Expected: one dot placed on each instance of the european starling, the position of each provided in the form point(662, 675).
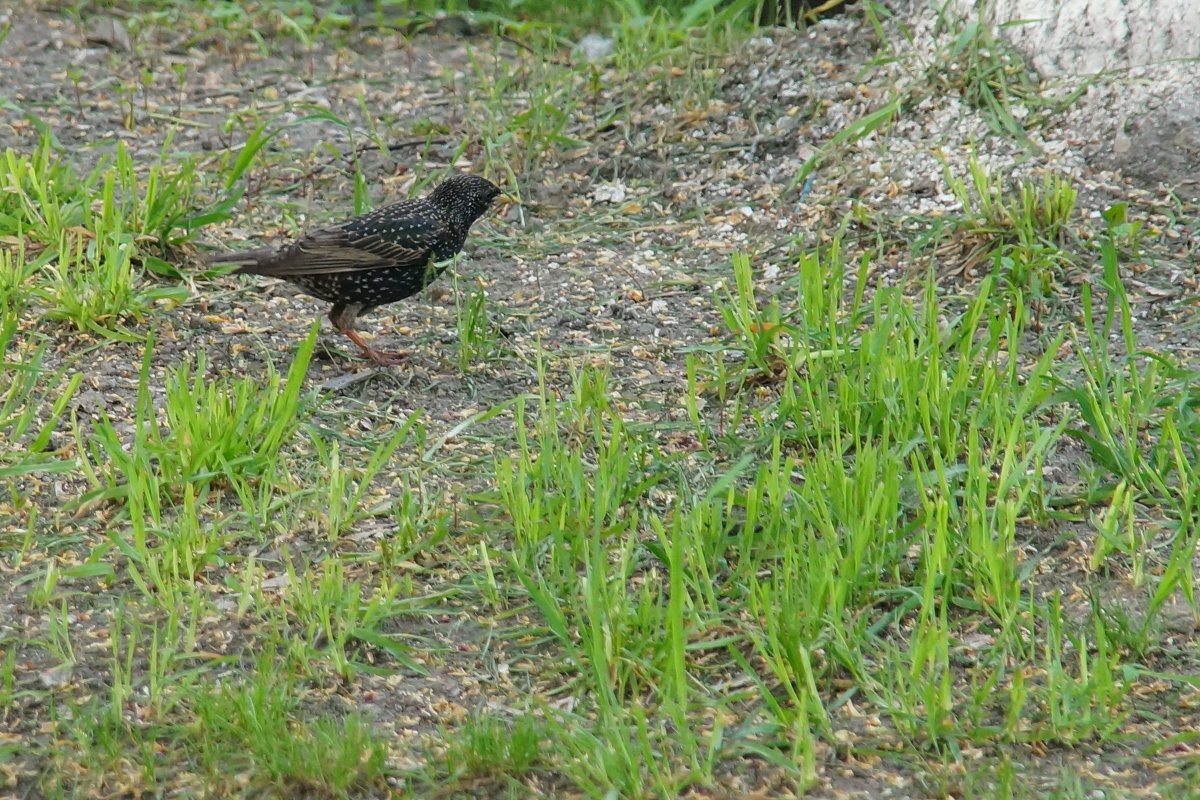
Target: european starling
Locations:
point(378, 258)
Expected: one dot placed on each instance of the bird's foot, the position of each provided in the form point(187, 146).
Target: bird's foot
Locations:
point(384, 359)
point(378, 357)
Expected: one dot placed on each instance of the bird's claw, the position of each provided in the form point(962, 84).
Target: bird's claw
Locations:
point(383, 359)
point(378, 357)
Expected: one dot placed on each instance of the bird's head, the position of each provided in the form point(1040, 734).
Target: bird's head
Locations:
point(467, 196)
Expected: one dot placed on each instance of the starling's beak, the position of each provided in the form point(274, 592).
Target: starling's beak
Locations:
point(508, 199)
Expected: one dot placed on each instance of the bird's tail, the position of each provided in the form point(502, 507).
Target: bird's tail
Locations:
point(247, 261)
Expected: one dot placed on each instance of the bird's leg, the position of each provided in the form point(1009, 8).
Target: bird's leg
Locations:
point(342, 317)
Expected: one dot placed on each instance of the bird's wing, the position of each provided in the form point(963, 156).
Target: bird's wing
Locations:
point(354, 246)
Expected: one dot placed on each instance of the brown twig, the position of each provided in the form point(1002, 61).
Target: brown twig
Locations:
point(518, 43)
point(397, 145)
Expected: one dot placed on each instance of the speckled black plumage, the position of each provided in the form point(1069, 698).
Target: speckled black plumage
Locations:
point(378, 258)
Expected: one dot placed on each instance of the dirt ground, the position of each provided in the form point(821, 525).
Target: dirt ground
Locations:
point(614, 256)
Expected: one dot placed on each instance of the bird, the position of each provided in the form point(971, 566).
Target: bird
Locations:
point(378, 258)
